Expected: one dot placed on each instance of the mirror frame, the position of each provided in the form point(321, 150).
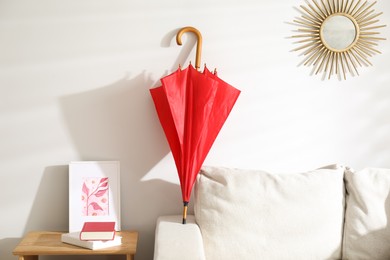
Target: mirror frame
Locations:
point(318, 54)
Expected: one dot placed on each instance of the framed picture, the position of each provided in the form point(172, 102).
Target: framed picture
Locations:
point(94, 193)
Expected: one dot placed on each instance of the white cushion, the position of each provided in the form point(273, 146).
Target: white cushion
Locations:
point(247, 214)
point(367, 217)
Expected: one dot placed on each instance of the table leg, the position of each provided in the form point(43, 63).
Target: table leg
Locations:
point(129, 257)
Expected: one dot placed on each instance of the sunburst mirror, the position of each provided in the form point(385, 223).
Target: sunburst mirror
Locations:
point(337, 36)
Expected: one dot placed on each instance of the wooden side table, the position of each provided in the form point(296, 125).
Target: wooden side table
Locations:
point(39, 243)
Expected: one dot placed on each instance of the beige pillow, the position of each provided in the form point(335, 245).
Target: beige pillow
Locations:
point(248, 214)
point(367, 217)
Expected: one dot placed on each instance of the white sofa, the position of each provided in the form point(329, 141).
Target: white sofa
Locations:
point(328, 213)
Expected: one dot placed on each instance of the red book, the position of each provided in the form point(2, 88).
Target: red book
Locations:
point(98, 231)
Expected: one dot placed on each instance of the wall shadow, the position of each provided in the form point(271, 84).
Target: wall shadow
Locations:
point(7, 245)
point(50, 208)
point(119, 122)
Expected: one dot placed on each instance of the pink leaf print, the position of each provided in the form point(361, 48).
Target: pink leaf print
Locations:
point(85, 189)
point(104, 180)
point(103, 183)
point(95, 206)
point(95, 190)
point(101, 192)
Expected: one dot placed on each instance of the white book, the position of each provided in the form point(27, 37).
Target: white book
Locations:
point(73, 238)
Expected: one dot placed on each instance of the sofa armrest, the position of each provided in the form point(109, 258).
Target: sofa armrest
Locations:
point(174, 240)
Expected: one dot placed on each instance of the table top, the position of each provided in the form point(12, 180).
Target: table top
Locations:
point(49, 243)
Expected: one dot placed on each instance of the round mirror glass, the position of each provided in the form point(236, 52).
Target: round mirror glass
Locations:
point(338, 32)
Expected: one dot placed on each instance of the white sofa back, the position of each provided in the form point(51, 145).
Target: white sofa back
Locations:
point(243, 214)
point(248, 214)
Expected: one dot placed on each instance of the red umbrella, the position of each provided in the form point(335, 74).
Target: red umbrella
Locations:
point(192, 107)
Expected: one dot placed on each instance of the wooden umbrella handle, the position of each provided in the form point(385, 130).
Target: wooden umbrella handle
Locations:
point(198, 44)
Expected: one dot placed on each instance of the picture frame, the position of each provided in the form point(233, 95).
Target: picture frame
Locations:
point(94, 193)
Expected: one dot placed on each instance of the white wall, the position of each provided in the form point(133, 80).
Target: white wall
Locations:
point(74, 81)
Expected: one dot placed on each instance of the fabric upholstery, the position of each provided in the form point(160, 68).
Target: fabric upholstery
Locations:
point(175, 241)
point(367, 217)
point(249, 214)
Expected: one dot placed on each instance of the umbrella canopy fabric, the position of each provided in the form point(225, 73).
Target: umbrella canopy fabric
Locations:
point(192, 107)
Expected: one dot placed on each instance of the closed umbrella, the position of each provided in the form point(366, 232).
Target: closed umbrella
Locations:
point(192, 107)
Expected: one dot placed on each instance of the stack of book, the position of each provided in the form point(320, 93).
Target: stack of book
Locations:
point(94, 235)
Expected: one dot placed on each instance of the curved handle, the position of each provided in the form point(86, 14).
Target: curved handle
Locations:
point(198, 44)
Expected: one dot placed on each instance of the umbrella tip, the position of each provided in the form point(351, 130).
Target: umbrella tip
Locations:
point(185, 212)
